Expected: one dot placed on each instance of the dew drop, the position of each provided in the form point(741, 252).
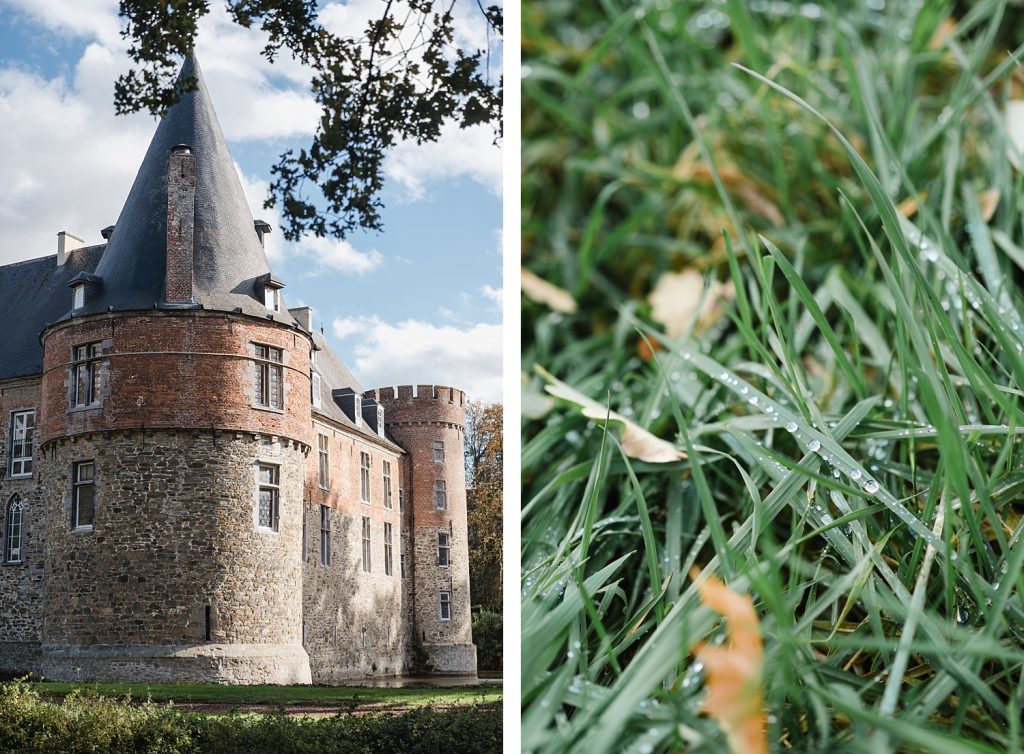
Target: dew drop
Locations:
point(871, 486)
point(962, 615)
point(791, 426)
point(752, 400)
point(855, 474)
point(814, 446)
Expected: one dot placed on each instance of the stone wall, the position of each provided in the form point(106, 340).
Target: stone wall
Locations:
point(21, 583)
point(353, 620)
point(417, 419)
point(174, 557)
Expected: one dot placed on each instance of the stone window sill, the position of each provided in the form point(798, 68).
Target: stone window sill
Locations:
point(90, 407)
point(269, 409)
point(13, 563)
point(267, 530)
point(82, 530)
point(20, 476)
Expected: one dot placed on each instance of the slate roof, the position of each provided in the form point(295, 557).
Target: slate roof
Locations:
point(33, 294)
point(335, 375)
point(229, 257)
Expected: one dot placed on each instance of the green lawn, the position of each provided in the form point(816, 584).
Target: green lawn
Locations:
point(287, 695)
point(851, 420)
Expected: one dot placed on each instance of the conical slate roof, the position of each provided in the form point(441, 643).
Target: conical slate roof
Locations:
point(228, 256)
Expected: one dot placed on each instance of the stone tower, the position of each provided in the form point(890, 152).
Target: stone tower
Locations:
point(429, 422)
point(174, 419)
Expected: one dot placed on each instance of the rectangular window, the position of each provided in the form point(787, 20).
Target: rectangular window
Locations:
point(83, 494)
point(440, 495)
point(269, 496)
point(269, 377)
point(325, 473)
point(366, 544)
point(357, 410)
point(85, 375)
point(401, 500)
point(325, 535)
point(387, 485)
point(272, 299)
point(444, 611)
point(438, 451)
point(315, 387)
point(401, 559)
point(387, 550)
point(364, 477)
point(444, 549)
point(23, 430)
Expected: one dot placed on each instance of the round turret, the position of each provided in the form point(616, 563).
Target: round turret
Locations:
point(429, 422)
point(173, 447)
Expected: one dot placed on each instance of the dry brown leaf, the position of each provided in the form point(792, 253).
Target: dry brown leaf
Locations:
point(678, 299)
point(543, 292)
point(989, 201)
point(636, 441)
point(734, 669)
point(1013, 119)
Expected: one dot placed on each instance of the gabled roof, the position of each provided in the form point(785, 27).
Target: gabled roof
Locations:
point(33, 294)
point(228, 259)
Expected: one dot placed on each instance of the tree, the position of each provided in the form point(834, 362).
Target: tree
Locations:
point(400, 78)
point(484, 502)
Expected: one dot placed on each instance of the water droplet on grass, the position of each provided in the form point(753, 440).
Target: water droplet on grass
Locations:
point(871, 486)
point(814, 446)
point(791, 426)
point(855, 474)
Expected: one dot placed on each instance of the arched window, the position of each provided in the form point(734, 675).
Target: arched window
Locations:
point(14, 530)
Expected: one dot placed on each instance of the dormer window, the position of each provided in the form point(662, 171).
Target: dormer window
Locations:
point(78, 284)
point(380, 420)
point(78, 300)
point(359, 410)
point(271, 288)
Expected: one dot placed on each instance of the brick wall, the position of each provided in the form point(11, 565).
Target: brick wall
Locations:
point(175, 369)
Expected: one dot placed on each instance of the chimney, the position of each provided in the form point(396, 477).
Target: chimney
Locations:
point(304, 316)
point(181, 215)
point(66, 243)
point(262, 230)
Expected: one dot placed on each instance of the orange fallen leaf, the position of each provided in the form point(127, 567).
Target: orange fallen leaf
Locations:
point(734, 669)
point(678, 301)
point(988, 200)
point(908, 207)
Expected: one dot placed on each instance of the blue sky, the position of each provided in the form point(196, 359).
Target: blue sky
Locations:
point(419, 302)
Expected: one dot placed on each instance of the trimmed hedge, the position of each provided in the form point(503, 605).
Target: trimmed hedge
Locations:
point(83, 723)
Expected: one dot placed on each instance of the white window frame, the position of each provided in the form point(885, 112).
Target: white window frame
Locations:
point(365, 466)
point(388, 550)
point(367, 551)
point(437, 448)
point(78, 487)
point(325, 535)
point(14, 530)
point(85, 372)
point(387, 484)
point(269, 362)
point(78, 296)
point(444, 547)
point(357, 410)
point(323, 461)
point(402, 564)
point(272, 298)
point(315, 389)
point(440, 495)
point(401, 500)
point(22, 440)
point(273, 486)
point(444, 606)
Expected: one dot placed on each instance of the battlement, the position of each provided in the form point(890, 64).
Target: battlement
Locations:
point(443, 393)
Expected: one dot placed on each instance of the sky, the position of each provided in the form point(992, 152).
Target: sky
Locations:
point(419, 302)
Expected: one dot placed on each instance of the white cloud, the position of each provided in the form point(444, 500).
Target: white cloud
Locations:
point(69, 161)
point(338, 256)
point(492, 294)
point(460, 152)
point(414, 352)
point(89, 19)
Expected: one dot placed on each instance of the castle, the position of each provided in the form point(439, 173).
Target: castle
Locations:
point(194, 485)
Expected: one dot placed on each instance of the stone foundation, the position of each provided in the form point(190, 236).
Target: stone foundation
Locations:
point(214, 663)
point(453, 659)
point(19, 657)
